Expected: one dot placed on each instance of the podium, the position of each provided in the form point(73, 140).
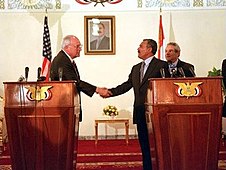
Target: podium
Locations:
point(42, 120)
point(184, 117)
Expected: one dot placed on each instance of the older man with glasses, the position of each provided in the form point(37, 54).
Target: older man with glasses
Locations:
point(63, 67)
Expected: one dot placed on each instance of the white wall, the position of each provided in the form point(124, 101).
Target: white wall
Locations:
point(200, 33)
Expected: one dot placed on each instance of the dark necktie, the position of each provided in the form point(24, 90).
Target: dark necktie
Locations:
point(76, 70)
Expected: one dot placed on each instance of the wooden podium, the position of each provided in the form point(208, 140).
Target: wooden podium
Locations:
point(184, 116)
point(42, 123)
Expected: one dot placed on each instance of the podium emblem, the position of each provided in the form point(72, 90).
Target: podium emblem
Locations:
point(38, 93)
point(188, 89)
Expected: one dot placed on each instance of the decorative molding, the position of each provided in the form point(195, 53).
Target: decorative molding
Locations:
point(30, 4)
point(193, 4)
point(2, 4)
point(58, 4)
point(198, 3)
point(214, 3)
point(139, 3)
point(106, 5)
point(168, 3)
point(86, 2)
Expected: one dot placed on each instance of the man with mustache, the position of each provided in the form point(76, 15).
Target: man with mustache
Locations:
point(138, 80)
point(102, 42)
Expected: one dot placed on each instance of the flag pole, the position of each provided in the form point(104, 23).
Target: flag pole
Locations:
point(46, 11)
point(161, 36)
point(46, 51)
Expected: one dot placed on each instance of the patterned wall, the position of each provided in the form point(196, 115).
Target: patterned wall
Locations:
point(33, 5)
point(184, 3)
point(30, 4)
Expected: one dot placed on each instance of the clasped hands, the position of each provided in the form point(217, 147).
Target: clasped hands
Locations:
point(103, 92)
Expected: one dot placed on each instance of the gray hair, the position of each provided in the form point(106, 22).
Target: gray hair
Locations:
point(66, 41)
point(176, 46)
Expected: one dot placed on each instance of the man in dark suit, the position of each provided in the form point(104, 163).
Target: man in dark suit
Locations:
point(177, 68)
point(63, 67)
point(223, 69)
point(138, 80)
point(102, 42)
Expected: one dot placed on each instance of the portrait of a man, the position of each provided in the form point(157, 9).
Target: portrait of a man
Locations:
point(99, 38)
point(101, 41)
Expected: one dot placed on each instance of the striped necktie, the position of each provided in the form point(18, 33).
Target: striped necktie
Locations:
point(142, 71)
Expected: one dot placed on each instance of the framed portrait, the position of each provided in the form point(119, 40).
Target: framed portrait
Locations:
point(99, 35)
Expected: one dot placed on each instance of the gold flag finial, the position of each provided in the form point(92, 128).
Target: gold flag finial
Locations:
point(46, 10)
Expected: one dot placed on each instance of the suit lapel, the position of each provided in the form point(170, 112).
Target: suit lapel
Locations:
point(149, 71)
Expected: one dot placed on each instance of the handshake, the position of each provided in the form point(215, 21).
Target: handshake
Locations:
point(103, 92)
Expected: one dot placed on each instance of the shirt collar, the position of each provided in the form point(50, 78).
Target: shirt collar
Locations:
point(68, 56)
point(148, 60)
point(174, 63)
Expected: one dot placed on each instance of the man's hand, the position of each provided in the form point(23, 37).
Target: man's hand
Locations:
point(103, 92)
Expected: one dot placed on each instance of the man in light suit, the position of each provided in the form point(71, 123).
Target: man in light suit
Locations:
point(138, 80)
point(102, 42)
point(177, 68)
point(71, 48)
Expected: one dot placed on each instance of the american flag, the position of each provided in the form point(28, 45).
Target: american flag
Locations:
point(161, 37)
point(46, 52)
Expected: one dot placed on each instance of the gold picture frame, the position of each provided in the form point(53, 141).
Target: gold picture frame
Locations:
point(99, 36)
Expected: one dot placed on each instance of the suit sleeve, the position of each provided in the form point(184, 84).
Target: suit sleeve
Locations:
point(86, 88)
point(224, 72)
point(69, 74)
point(122, 88)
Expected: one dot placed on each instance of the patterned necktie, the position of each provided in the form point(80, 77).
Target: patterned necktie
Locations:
point(172, 69)
point(142, 71)
point(76, 70)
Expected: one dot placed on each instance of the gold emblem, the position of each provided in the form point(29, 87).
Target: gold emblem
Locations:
point(38, 93)
point(189, 89)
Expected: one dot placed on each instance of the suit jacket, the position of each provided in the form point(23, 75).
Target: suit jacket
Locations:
point(140, 89)
point(104, 44)
point(224, 71)
point(69, 73)
point(186, 68)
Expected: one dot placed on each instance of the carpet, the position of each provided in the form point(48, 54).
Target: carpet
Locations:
point(110, 155)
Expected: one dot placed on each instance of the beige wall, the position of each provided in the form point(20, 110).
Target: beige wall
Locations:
point(200, 33)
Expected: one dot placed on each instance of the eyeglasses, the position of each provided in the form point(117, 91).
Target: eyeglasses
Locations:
point(77, 46)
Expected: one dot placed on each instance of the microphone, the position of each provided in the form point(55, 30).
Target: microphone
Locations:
point(191, 69)
point(173, 72)
point(162, 72)
point(60, 73)
point(180, 69)
point(26, 73)
point(21, 78)
point(39, 72)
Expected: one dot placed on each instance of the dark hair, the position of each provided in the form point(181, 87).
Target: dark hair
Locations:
point(153, 44)
point(102, 24)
